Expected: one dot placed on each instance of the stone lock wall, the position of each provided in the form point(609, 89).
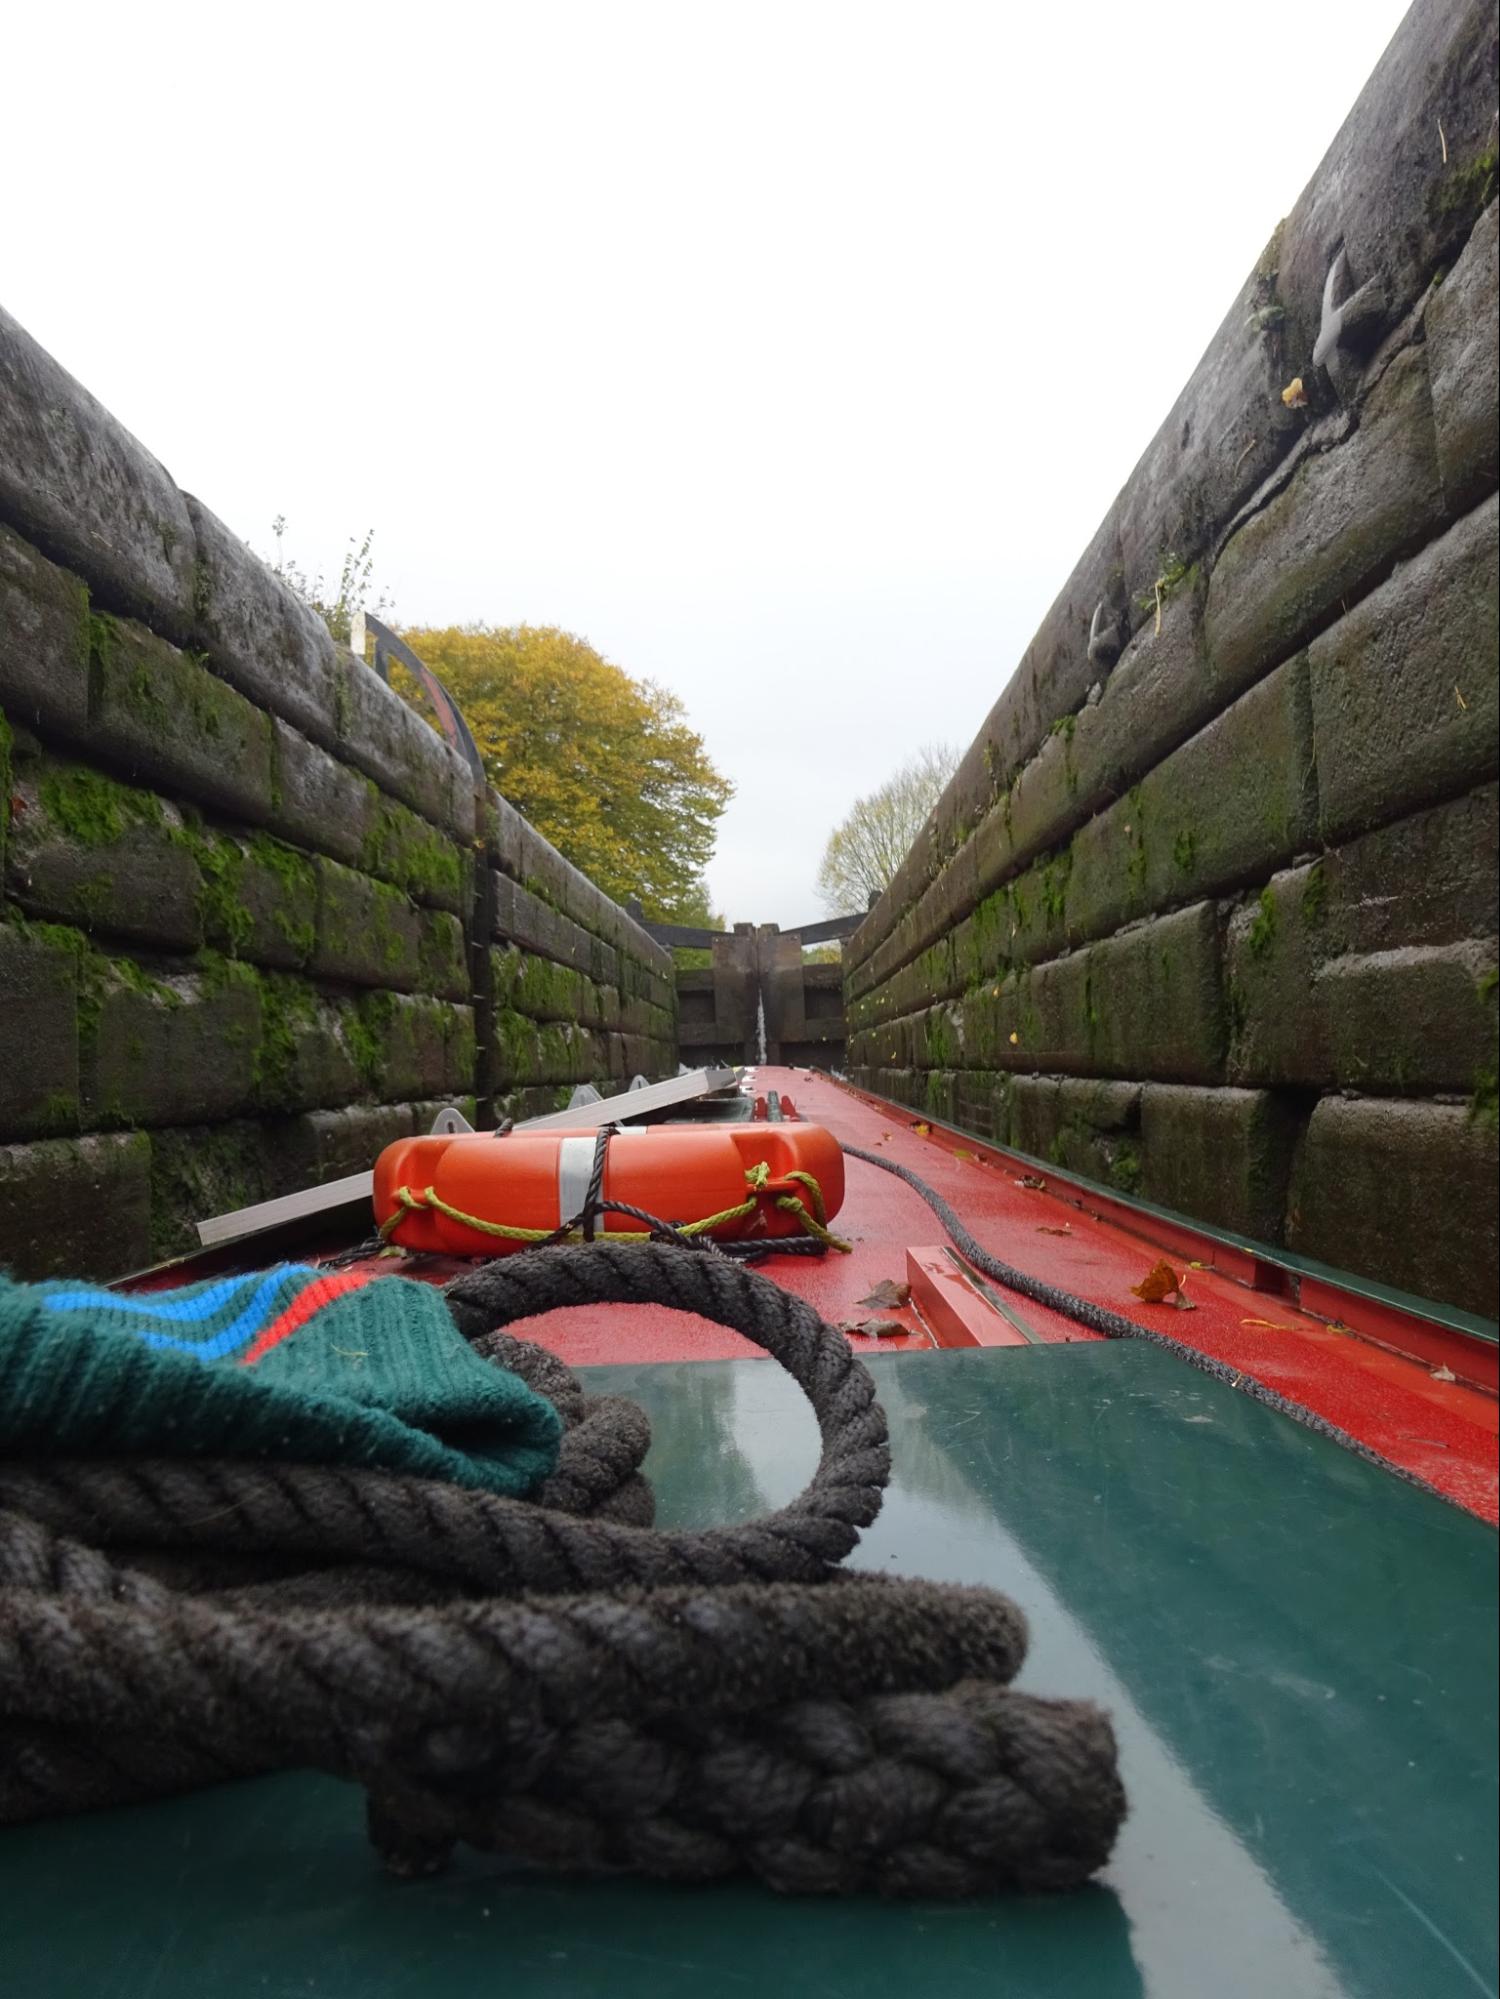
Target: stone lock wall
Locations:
point(1209, 910)
point(254, 923)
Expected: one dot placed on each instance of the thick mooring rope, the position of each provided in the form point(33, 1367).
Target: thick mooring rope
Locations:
point(555, 1681)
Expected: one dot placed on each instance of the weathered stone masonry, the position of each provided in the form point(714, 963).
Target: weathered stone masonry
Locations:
point(1209, 910)
point(238, 944)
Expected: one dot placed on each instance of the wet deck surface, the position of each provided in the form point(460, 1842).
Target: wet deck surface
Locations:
point(1443, 1430)
point(1298, 1651)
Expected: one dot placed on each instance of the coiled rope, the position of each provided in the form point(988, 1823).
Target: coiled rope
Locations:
point(553, 1680)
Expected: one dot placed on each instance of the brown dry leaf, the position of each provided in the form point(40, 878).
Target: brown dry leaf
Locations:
point(871, 1329)
point(1268, 1326)
point(1046, 1228)
point(1158, 1284)
point(1034, 1182)
point(1294, 395)
point(888, 1293)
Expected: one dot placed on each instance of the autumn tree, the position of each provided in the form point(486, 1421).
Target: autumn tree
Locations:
point(605, 766)
point(865, 850)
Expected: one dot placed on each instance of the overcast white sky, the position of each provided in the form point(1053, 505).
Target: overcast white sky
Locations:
point(790, 354)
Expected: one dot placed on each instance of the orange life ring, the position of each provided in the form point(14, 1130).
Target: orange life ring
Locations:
point(477, 1194)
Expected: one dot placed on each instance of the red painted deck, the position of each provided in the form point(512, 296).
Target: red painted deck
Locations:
point(1419, 1392)
point(1443, 1430)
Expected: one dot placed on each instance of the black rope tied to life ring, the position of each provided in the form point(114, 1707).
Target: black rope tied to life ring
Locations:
point(752, 1249)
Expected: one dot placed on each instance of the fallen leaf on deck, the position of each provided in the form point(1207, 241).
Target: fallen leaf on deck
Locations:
point(1294, 395)
point(922, 1130)
point(1158, 1284)
point(1195, 1266)
point(1268, 1325)
point(887, 1292)
point(1182, 1303)
point(959, 1153)
point(1046, 1228)
point(1444, 1374)
point(1034, 1181)
point(872, 1329)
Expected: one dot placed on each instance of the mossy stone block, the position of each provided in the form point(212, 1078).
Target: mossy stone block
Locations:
point(317, 801)
point(78, 1207)
point(1463, 356)
point(1156, 1003)
point(199, 1171)
point(402, 848)
point(39, 980)
point(167, 1047)
point(1222, 1156)
point(368, 933)
point(76, 482)
point(1404, 1192)
point(1414, 1020)
point(259, 635)
point(160, 715)
point(381, 735)
point(44, 642)
point(442, 955)
point(1404, 689)
point(1344, 516)
point(112, 859)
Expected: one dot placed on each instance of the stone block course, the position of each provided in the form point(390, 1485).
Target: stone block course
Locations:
point(368, 933)
point(259, 636)
point(1224, 1156)
point(1228, 807)
point(44, 642)
point(169, 1048)
point(381, 735)
point(258, 898)
point(1089, 1128)
point(1404, 1192)
point(401, 847)
point(315, 800)
point(1462, 355)
point(157, 716)
point(1346, 515)
point(86, 850)
point(1417, 1019)
point(79, 486)
point(1404, 688)
point(1156, 1001)
point(39, 975)
point(77, 1207)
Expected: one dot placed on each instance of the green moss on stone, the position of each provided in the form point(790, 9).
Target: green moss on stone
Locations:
point(93, 809)
point(1464, 192)
point(1315, 894)
point(1263, 930)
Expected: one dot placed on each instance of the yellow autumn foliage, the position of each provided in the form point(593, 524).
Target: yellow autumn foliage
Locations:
point(605, 766)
